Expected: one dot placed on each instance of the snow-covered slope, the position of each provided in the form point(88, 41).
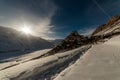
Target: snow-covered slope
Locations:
point(113, 28)
point(28, 69)
point(101, 62)
point(21, 59)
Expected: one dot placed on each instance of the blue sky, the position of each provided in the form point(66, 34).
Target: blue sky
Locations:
point(57, 18)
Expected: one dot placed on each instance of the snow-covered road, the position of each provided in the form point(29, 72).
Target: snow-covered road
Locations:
point(101, 62)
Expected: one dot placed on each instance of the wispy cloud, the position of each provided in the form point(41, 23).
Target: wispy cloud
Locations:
point(36, 14)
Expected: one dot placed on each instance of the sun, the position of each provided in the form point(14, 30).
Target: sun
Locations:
point(26, 30)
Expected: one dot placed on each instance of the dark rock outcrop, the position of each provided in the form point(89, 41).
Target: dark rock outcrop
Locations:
point(72, 41)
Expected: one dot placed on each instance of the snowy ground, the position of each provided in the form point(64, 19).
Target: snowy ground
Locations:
point(101, 62)
point(21, 59)
point(25, 67)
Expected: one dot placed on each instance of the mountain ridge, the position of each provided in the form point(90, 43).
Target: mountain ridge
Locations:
point(106, 31)
point(112, 21)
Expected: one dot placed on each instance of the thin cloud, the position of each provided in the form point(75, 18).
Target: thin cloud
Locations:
point(36, 14)
point(98, 5)
point(87, 31)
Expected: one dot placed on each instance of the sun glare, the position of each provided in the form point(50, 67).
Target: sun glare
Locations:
point(26, 30)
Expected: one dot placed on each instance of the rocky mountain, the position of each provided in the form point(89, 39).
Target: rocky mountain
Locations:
point(12, 40)
point(72, 41)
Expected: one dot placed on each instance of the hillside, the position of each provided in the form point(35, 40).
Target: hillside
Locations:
point(112, 25)
point(101, 62)
point(15, 41)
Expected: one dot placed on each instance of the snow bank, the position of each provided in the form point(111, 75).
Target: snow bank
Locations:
point(101, 62)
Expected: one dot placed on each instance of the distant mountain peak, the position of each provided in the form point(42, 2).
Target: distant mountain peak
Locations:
point(12, 40)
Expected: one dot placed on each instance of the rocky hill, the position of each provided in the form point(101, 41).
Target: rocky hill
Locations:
point(72, 41)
